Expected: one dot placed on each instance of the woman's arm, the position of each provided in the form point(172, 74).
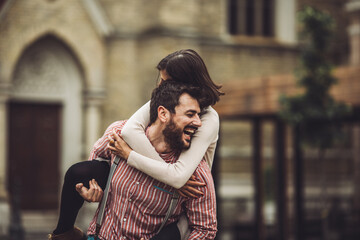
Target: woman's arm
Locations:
point(134, 134)
point(176, 175)
point(100, 149)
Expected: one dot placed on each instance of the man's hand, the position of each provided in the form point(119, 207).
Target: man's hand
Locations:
point(189, 189)
point(93, 194)
point(118, 146)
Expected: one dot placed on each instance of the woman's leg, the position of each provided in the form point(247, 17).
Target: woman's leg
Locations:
point(71, 201)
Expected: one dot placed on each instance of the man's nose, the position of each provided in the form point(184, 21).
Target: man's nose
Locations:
point(197, 121)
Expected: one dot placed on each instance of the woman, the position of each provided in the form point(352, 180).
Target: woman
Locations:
point(185, 66)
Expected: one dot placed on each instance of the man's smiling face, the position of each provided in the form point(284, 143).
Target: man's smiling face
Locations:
point(183, 123)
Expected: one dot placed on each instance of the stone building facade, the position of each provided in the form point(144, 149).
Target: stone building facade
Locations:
point(96, 59)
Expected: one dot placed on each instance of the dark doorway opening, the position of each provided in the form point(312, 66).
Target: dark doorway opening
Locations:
point(34, 154)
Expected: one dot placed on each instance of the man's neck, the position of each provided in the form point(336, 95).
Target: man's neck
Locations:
point(156, 137)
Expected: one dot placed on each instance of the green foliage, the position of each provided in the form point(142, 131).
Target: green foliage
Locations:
point(315, 109)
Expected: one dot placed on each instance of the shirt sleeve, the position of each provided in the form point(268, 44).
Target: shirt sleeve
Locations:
point(146, 159)
point(201, 212)
point(99, 149)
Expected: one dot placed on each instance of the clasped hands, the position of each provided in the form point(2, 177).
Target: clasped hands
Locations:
point(119, 147)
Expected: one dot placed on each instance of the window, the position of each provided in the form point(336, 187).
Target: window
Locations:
point(251, 17)
point(2, 3)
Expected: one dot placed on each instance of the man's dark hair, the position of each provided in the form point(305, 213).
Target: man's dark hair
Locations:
point(168, 93)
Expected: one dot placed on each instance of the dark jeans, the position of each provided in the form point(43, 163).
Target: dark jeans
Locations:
point(71, 201)
point(170, 232)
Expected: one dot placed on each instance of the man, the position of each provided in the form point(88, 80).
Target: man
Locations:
point(137, 203)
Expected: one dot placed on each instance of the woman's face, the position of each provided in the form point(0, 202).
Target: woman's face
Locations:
point(163, 76)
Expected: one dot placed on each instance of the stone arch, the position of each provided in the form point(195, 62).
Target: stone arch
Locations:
point(30, 40)
point(48, 74)
point(93, 67)
point(89, 51)
point(85, 108)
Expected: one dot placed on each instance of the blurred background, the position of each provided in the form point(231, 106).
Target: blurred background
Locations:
point(69, 68)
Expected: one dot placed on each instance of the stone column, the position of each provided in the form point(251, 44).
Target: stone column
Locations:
point(353, 7)
point(94, 99)
point(259, 228)
point(4, 198)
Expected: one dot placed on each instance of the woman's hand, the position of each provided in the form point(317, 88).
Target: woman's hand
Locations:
point(93, 194)
point(190, 190)
point(118, 146)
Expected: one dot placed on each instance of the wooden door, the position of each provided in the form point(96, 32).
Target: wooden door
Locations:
point(34, 154)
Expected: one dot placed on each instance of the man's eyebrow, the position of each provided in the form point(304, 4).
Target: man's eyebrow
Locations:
point(192, 111)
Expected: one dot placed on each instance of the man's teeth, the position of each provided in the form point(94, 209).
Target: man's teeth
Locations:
point(189, 131)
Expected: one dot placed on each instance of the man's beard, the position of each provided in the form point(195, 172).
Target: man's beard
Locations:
point(173, 137)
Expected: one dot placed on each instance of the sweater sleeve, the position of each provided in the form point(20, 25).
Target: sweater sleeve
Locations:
point(146, 159)
point(100, 149)
point(134, 134)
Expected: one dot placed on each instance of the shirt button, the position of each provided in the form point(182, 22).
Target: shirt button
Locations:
point(137, 183)
point(130, 200)
point(124, 219)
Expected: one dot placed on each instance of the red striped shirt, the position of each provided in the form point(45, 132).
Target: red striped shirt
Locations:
point(136, 206)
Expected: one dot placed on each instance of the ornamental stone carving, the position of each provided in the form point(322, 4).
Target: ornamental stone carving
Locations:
point(39, 74)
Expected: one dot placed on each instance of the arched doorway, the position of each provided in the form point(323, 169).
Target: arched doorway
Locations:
point(45, 115)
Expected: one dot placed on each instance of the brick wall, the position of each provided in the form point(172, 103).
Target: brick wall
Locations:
point(261, 95)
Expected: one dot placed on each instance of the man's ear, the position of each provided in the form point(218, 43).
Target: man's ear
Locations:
point(163, 114)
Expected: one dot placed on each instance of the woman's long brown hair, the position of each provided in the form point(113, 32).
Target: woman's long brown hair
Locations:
point(187, 66)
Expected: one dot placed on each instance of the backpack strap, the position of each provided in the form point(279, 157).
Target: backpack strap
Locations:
point(170, 211)
point(100, 215)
